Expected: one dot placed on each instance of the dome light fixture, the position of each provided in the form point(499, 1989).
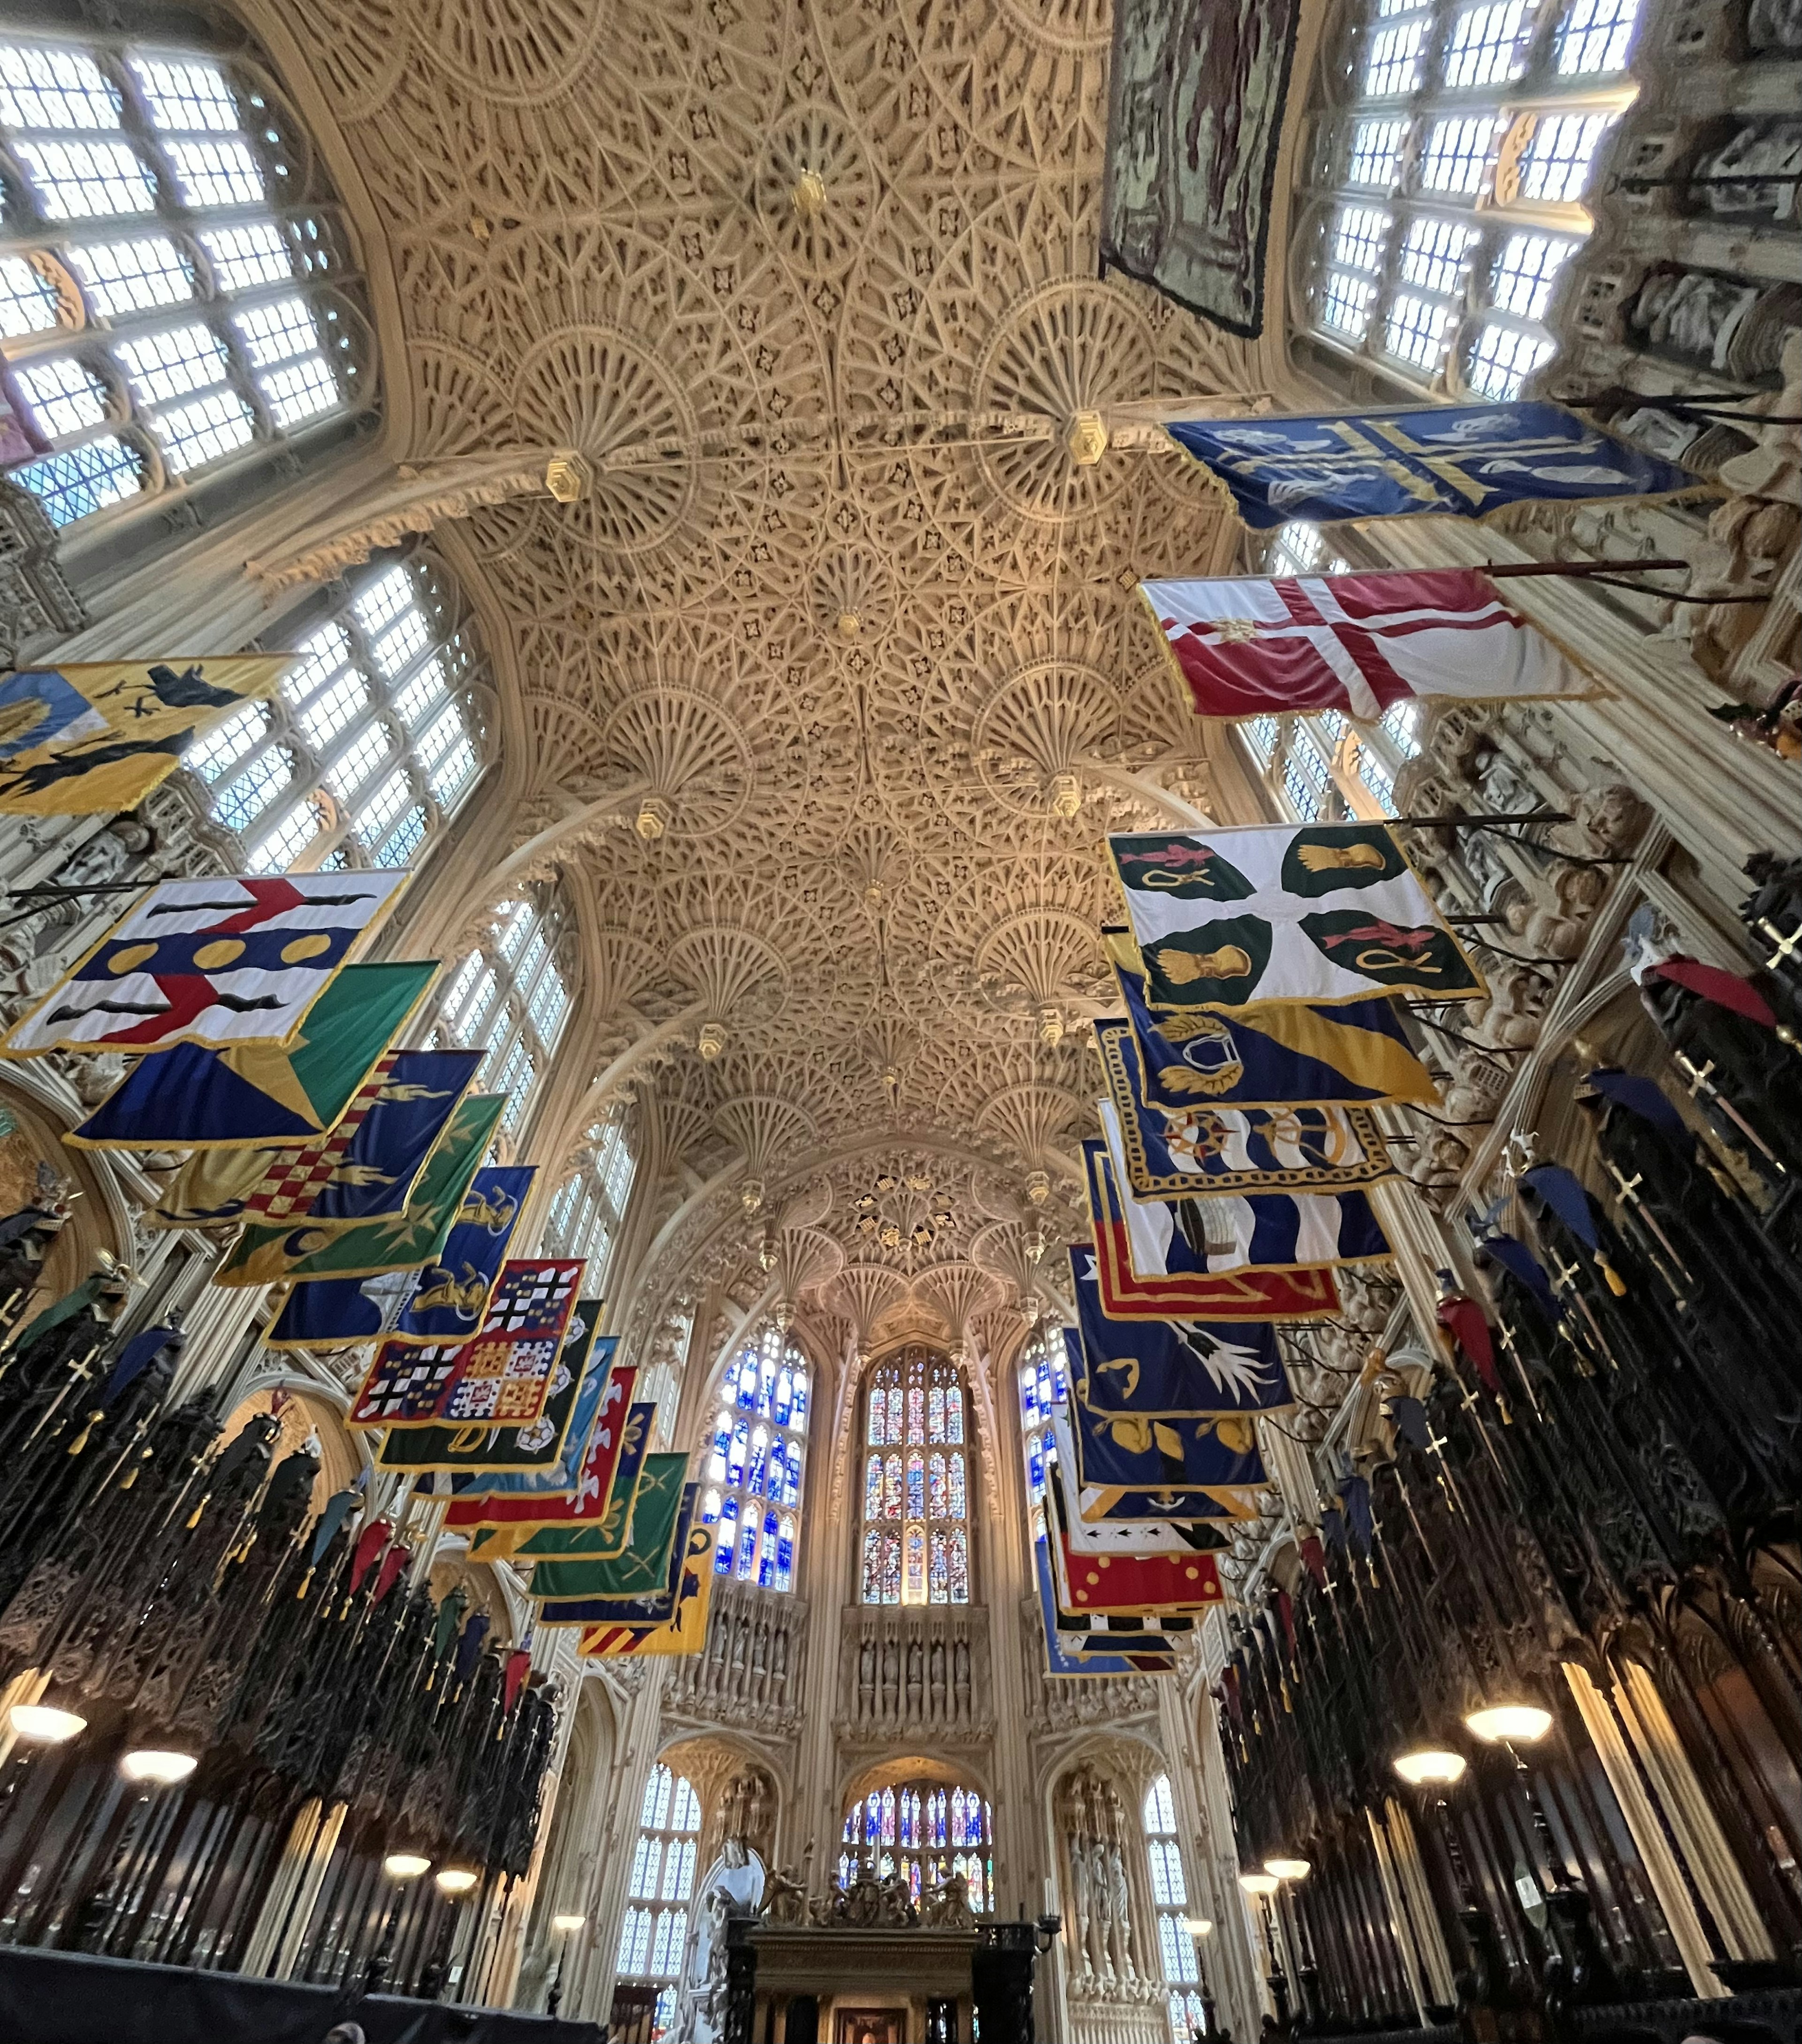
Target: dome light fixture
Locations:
point(1289, 1870)
point(1198, 1927)
point(405, 1866)
point(161, 1769)
point(456, 1880)
point(1509, 1723)
point(567, 1926)
point(1263, 1884)
point(40, 1725)
point(1429, 1763)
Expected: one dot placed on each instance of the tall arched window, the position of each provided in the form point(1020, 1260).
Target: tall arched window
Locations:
point(367, 752)
point(926, 1830)
point(916, 1535)
point(1042, 1386)
point(655, 1930)
point(590, 1204)
point(1170, 1895)
point(171, 295)
point(1457, 175)
point(1328, 765)
point(752, 1494)
point(512, 994)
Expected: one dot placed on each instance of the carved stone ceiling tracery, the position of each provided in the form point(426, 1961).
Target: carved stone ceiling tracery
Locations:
point(811, 284)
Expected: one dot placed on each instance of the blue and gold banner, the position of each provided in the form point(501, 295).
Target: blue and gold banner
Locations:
point(1228, 1232)
point(1176, 1153)
point(1287, 1055)
point(1465, 461)
point(1152, 1370)
point(1196, 1460)
point(365, 1167)
point(395, 1242)
point(442, 1302)
point(453, 1292)
point(1183, 1289)
point(1144, 1503)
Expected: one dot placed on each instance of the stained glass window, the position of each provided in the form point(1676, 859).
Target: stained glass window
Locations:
point(367, 750)
point(655, 1932)
point(1449, 161)
point(498, 995)
point(1041, 1385)
point(123, 167)
point(915, 1541)
point(926, 1832)
point(754, 1464)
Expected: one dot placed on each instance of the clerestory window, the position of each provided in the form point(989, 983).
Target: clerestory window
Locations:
point(1447, 193)
point(174, 296)
point(370, 746)
point(512, 994)
point(916, 1532)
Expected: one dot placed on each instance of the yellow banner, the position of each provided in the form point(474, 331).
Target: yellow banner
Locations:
point(94, 738)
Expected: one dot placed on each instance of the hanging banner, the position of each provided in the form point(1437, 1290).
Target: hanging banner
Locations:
point(453, 1292)
point(1355, 643)
point(1158, 1591)
point(685, 1633)
point(397, 1242)
point(501, 1377)
point(1147, 1505)
point(1193, 1461)
point(1247, 1294)
point(486, 1499)
point(1224, 1232)
point(365, 1167)
point(94, 739)
point(444, 1301)
point(1466, 461)
point(1318, 912)
point(642, 1565)
point(1196, 93)
point(521, 1446)
point(1153, 1370)
point(597, 1519)
point(236, 960)
point(1063, 1663)
point(1357, 1050)
point(227, 1102)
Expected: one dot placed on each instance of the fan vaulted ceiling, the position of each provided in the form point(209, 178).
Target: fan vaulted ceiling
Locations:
point(812, 288)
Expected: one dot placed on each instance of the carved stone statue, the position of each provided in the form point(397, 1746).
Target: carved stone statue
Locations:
point(946, 1905)
point(785, 1898)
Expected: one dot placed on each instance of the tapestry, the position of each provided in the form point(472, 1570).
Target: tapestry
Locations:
point(1195, 105)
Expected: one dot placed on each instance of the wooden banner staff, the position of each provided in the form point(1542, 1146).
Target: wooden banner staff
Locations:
point(1605, 575)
